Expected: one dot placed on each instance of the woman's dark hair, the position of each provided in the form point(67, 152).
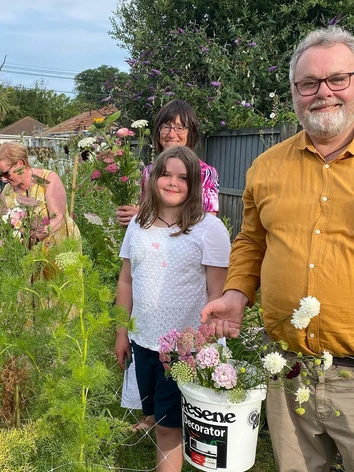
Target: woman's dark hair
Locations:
point(191, 210)
point(168, 114)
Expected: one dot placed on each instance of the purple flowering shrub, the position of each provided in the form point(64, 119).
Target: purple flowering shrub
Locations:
point(228, 84)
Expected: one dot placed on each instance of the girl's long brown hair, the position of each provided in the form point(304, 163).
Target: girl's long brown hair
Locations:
point(191, 210)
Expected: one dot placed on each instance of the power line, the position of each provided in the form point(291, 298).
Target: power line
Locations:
point(38, 74)
point(42, 68)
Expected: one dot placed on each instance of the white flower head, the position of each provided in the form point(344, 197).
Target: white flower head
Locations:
point(309, 308)
point(93, 219)
point(327, 360)
point(300, 319)
point(5, 217)
point(311, 305)
point(302, 394)
point(272, 94)
point(86, 143)
point(274, 363)
point(139, 124)
point(272, 115)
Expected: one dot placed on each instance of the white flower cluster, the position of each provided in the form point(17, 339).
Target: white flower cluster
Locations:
point(139, 124)
point(309, 308)
point(302, 395)
point(274, 363)
point(327, 360)
point(93, 219)
point(86, 143)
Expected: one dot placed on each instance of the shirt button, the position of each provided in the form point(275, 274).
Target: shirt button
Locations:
point(312, 266)
point(324, 199)
point(317, 231)
point(326, 166)
point(312, 335)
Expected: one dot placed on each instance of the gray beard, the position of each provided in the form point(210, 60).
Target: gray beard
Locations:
point(326, 125)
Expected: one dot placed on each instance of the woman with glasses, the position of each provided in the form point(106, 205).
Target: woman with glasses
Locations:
point(176, 124)
point(39, 190)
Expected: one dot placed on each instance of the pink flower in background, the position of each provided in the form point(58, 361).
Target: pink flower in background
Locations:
point(112, 168)
point(124, 178)
point(108, 160)
point(123, 132)
point(96, 174)
point(120, 152)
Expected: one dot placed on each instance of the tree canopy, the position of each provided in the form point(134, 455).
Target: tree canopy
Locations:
point(182, 48)
point(94, 85)
point(44, 105)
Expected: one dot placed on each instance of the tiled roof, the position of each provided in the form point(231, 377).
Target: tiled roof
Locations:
point(28, 126)
point(79, 123)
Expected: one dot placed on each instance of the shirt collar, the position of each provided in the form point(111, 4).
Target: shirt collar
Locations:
point(302, 141)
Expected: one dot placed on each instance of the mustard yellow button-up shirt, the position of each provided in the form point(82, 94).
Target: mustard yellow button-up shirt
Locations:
point(297, 239)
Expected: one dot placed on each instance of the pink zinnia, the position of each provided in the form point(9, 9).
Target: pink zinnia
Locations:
point(124, 178)
point(96, 174)
point(112, 168)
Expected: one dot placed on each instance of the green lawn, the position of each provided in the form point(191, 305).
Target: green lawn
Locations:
point(138, 454)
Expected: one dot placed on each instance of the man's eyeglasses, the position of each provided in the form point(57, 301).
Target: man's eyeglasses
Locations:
point(337, 82)
point(6, 173)
point(166, 129)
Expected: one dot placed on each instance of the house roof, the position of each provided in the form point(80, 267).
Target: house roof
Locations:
point(27, 126)
point(79, 123)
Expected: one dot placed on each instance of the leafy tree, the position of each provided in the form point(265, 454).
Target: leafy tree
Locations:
point(217, 79)
point(94, 85)
point(5, 102)
point(242, 44)
point(135, 21)
point(44, 105)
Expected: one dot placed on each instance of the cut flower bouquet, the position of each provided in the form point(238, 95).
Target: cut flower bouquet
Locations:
point(116, 163)
point(194, 356)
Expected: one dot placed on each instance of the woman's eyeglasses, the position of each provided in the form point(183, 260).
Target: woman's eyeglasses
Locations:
point(6, 173)
point(166, 129)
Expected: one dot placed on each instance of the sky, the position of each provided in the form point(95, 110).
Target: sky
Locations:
point(56, 37)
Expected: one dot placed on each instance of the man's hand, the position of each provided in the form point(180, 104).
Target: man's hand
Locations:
point(225, 314)
point(125, 213)
point(122, 347)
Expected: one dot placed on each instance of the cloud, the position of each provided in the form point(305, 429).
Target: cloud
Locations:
point(81, 10)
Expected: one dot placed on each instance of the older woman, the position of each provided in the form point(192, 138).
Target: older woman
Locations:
point(42, 190)
point(176, 124)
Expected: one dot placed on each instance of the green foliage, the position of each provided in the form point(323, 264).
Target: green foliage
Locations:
point(57, 330)
point(218, 79)
point(93, 85)
point(234, 42)
point(44, 105)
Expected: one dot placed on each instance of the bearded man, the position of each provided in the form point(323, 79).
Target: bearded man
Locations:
point(297, 240)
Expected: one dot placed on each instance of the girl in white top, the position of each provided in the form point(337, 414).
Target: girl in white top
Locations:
point(175, 260)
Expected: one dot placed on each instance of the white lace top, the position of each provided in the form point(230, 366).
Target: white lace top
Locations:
point(169, 275)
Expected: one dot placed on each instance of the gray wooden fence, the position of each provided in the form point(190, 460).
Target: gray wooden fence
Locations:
point(232, 153)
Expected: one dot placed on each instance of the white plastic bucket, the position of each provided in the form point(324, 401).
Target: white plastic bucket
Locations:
point(218, 434)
